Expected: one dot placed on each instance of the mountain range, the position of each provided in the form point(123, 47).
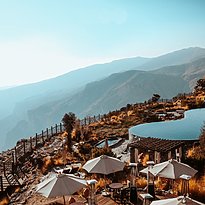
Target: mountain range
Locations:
point(96, 89)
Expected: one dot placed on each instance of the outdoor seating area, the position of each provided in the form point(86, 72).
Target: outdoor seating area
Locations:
point(109, 181)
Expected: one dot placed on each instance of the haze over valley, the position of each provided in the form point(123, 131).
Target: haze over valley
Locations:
point(96, 89)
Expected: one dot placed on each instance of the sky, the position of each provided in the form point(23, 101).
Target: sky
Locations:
point(41, 39)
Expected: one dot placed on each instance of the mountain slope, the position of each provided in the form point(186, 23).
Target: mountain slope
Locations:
point(190, 72)
point(17, 101)
point(183, 56)
point(135, 87)
point(113, 93)
point(101, 96)
point(43, 104)
point(76, 79)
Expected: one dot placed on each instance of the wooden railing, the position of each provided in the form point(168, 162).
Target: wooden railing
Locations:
point(89, 120)
point(10, 158)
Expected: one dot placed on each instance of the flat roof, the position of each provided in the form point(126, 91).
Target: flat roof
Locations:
point(155, 144)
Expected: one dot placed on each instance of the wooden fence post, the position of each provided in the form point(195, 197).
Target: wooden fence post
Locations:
point(31, 144)
point(42, 136)
point(12, 154)
point(47, 133)
point(12, 163)
point(24, 147)
point(1, 182)
point(4, 168)
point(51, 131)
point(36, 139)
point(56, 128)
point(15, 152)
point(61, 130)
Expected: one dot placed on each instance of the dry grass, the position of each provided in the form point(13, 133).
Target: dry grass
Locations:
point(4, 201)
point(161, 183)
point(145, 159)
point(197, 188)
point(47, 162)
point(141, 182)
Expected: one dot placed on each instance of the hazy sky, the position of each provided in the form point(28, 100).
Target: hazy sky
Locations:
point(40, 39)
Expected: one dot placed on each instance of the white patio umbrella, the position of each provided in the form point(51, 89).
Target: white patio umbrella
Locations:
point(103, 165)
point(171, 169)
point(180, 200)
point(172, 201)
point(60, 185)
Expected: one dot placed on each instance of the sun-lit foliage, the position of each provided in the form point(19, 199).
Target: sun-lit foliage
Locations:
point(4, 201)
point(141, 182)
point(46, 163)
point(200, 85)
point(96, 152)
point(145, 159)
point(198, 152)
point(196, 188)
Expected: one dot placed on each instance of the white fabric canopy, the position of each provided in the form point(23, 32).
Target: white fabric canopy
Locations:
point(173, 201)
point(103, 165)
point(180, 200)
point(171, 169)
point(60, 185)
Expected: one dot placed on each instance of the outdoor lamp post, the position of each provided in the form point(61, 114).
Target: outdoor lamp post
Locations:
point(150, 179)
point(133, 187)
point(92, 196)
point(185, 184)
point(133, 174)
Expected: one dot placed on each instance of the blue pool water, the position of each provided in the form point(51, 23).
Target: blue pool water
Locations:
point(110, 143)
point(188, 128)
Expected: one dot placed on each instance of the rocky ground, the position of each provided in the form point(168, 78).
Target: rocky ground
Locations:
point(34, 166)
point(53, 152)
point(40, 162)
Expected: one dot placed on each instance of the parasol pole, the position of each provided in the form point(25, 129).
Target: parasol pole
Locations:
point(64, 199)
point(105, 183)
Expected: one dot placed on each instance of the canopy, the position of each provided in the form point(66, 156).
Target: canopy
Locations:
point(60, 185)
point(172, 201)
point(180, 200)
point(103, 165)
point(171, 169)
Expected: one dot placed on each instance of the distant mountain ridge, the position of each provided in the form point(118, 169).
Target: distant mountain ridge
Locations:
point(179, 57)
point(96, 89)
point(68, 83)
point(190, 72)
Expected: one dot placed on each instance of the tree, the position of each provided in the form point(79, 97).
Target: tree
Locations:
point(200, 85)
point(199, 151)
point(155, 97)
point(69, 123)
point(202, 142)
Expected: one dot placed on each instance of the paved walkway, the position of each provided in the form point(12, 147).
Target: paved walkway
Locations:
point(101, 200)
point(105, 200)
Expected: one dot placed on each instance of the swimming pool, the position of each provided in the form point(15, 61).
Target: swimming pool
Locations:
point(111, 142)
point(188, 128)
